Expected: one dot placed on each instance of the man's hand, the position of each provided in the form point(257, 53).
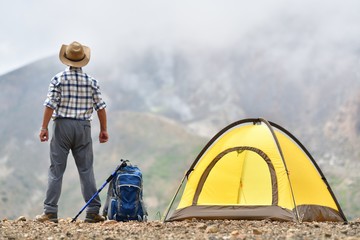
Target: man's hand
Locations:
point(103, 136)
point(44, 135)
point(44, 132)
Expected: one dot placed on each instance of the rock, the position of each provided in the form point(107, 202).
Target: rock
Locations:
point(291, 233)
point(257, 232)
point(290, 236)
point(211, 237)
point(212, 229)
point(201, 226)
point(21, 218)
point(236, 235)
point(109, 222)
point(62, 220)
point(328, 235)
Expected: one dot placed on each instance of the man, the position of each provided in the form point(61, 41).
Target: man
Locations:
point(72, 97)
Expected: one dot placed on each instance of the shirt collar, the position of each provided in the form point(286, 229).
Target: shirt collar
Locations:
point(77, 69)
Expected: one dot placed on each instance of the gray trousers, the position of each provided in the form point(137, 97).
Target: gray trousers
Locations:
point(74, 135)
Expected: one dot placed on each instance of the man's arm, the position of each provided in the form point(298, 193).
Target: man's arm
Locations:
point(103, 136)
point(44, 132)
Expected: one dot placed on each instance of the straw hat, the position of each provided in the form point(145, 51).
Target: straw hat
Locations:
point(74, 54)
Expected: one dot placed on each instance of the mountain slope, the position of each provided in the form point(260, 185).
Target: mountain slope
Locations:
point(160, 102)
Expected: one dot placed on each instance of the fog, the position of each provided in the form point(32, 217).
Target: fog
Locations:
point(32, 30)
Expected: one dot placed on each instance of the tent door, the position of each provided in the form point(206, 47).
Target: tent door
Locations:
point(238, 176)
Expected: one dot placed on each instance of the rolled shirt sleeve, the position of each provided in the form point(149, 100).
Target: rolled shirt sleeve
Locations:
point(54, 94)
point(97, 99)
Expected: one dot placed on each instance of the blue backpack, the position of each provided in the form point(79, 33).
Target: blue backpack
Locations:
point(125, 196)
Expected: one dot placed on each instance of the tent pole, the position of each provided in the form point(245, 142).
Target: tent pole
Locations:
point(287, 171)
point(315, 164)
point(173, 199)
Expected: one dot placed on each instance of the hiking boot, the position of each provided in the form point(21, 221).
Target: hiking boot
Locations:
point(47, 217)
point(94, 218)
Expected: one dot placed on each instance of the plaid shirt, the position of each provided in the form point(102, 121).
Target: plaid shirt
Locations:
point(74, 94)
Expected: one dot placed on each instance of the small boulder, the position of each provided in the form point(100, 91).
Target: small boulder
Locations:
point(21, 219)
point(201, 226)
point(212, 229)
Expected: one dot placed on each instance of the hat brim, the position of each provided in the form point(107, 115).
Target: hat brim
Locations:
point(72, 63)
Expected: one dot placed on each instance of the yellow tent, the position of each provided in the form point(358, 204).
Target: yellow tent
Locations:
point(254, 169)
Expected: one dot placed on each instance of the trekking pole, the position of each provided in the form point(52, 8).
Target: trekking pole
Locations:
point(123, 164)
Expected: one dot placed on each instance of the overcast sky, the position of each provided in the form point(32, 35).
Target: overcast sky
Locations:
point(31, 30)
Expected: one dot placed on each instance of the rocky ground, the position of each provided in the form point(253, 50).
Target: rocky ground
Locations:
point(23, 228)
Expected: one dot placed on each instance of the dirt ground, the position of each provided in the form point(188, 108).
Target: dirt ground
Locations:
point(23, 228)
